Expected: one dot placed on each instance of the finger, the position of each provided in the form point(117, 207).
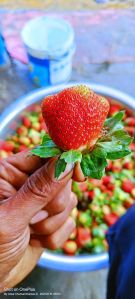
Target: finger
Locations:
point(78, 175)
point(57, 239)
point(11, 174)
point(39, 216)
point(59, 203)
point(52, 224)
point(25, 162)
point(6, 190)
point(36, 193)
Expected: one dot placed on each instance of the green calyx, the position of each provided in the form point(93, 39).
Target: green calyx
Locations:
point(113, 144)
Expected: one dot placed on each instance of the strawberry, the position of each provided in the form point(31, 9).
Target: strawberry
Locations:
point(109, 166)
point(70, 247)
point(128, 185)
point(132, 146)
point(91, 195)
point(130, 130)
point(26, 122)
point(110, 219)
point(107, 179)
point(128, 165)
point(79, 133)
point(8, 146)
point(75, 117)
point(83, 236)
point(130, 121)
point(114, 108)
point(128, 202)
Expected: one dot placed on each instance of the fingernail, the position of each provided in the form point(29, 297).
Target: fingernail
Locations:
point(41, 215)
point(71, 223)
point(67, 170)
point(51, 170)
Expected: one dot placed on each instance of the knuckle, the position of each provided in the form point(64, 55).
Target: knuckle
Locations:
point(3, 167)
point(73, 200)
point(39, 187)
point(53, 243)
point(60, 205)
point(47, 227)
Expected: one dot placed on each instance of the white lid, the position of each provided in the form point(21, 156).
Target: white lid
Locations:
point(48, 36)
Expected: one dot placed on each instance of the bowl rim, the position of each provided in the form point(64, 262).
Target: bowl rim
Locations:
point(55, 261)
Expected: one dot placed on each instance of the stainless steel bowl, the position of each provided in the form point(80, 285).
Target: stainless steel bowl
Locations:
point(10, 118)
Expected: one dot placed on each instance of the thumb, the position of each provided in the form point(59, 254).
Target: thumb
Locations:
point(40, 188)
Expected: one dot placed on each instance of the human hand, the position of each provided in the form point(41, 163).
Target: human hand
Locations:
point(34, 214)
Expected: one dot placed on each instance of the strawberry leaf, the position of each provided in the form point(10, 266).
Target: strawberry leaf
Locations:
point(59, 167)
point(47, 141)
point(118, 154)
point(45, 152)
point(89, 168)
point(93, 164)
point(112, 121)
point(114, 149)
point(72, 156)
point(122, 137)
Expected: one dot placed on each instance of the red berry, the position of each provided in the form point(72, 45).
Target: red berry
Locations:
point(130, 130)
point(128, 203)
point(103, 188)
point(106, 180)
point(91, 194)
point(127, 186)
point(83, 186)
point(70, 247)
point(110, 187)
point(40, 119)
point(22, 148)
point(130, 121)
point(111, 218)
point(109, 166)
point(23, 131)
point(75, 117)
point(43, 126)
point(132, 146)
point(129, 165)
point(8, 146)
point(114, 108)
point(26, 122)
point(83, 236)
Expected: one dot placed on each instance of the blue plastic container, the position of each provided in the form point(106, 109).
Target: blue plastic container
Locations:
point(50, 47)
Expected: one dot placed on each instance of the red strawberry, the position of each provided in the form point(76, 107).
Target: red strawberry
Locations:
point(8, 146)
point(114, 109)
point(91, 194)
point(128, 203)
point(83, 236)
point(109, 166)
point(127, 186)
point(26, 122)
point(129, 165)
point(111, 218)
point(107, 179)
point(70, 247)
point(130, 121)
point(130, 130)
point(75, 117)
point(132, 146)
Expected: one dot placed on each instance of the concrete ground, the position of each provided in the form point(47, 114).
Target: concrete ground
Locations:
point(61, 5)
point(112, 65)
